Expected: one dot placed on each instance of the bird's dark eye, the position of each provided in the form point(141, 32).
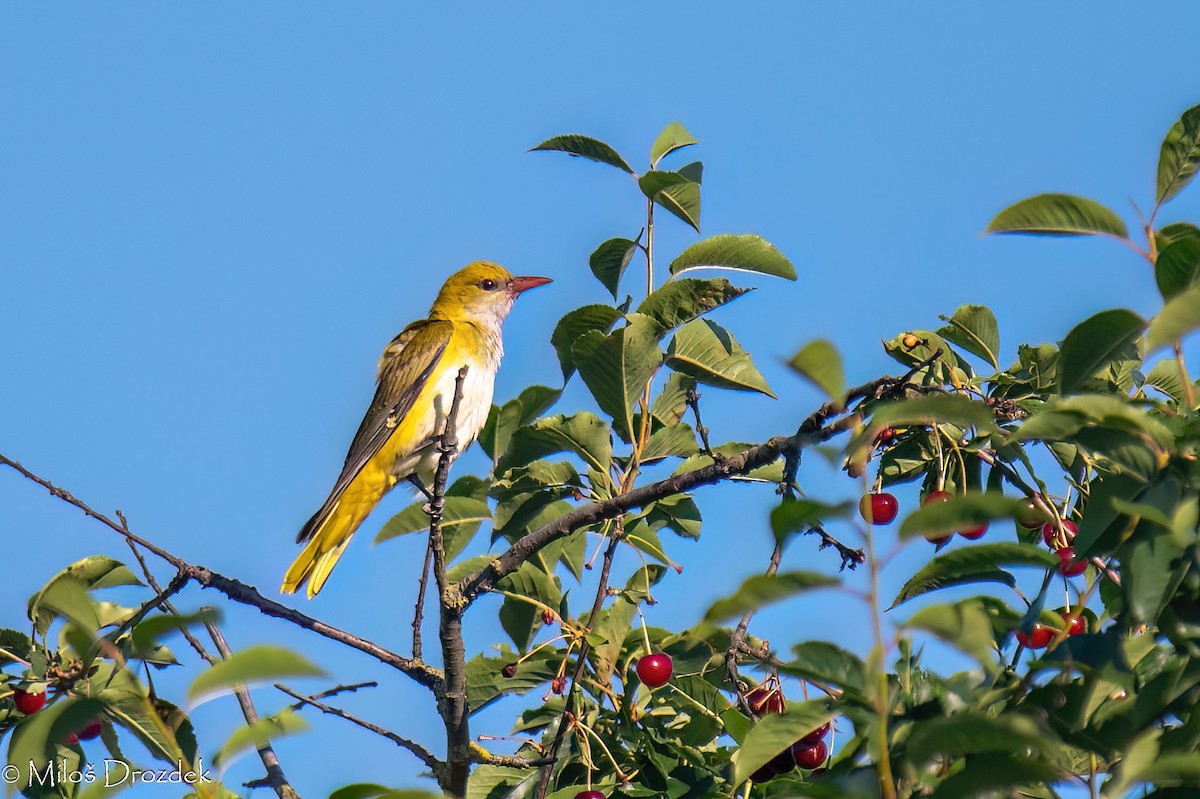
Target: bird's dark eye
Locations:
point(487, 285)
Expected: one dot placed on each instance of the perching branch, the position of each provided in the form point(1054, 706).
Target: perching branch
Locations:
point(452, 701)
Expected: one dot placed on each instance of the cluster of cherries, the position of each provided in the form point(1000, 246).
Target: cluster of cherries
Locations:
point(654, 671)
point(810, 752)
point(1068, 566)
point(29, 703)
point(882, 508)
point(1042, 634)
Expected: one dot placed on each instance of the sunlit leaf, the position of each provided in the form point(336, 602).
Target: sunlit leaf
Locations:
point(1058, 215)
point(742, 252)
point(763, 589)
point(673, 137)
point(974, 328)
point(709, 353)
point(775, 733)
point(1094, 343)
point(820, 362)
point(1180, 155)
point(681, 301)
point(585, 147)
point(609, 260)
point(251, 665)
point(1179, 317)
point(974, 564)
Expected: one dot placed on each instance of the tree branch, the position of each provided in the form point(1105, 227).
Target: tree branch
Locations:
point(244, 594)
point(452, 701)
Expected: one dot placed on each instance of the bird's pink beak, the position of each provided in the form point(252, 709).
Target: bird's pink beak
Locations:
point(523, 283)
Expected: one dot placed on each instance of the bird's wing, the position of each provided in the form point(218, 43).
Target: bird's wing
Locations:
point(404, 370)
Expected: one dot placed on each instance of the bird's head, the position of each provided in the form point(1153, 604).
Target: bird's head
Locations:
point(482, 292)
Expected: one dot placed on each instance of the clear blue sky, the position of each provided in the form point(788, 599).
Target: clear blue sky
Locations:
point(213, 216)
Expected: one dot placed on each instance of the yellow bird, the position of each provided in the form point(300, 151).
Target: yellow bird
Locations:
point(397, 439)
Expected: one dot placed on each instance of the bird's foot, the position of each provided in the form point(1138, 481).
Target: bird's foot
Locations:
point(420, 486)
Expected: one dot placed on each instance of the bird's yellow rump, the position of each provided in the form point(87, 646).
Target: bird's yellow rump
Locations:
point(397, 439)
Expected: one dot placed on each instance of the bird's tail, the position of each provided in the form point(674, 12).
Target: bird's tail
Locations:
point(327, 533)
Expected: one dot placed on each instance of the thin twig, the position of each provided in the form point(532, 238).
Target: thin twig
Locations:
point(739, 636)
point(275, 777)
point(334, 691)
point(693, 402)
point(423, 754)
point(850, 557)
point(584, 648)
point(419, 613)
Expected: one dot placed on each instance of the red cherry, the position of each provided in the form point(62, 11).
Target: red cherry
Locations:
point(764, 773)
point(1078, 624)
point(28, 703)
point(558, 685)
point(782, 763)
point(1067, 565)
point(763, 700)
point(590, 795)
point(886, 436)
point(810, 756)
point(878, 508)
point(1038, 639)
point(930, 498)
point(72, 739)
point(91, 731)
point(509, 670)
point(655, 670)
point(1050, 532)
point(1029, 515)
point(548, 616)
point(816, 735)
point(974, 533)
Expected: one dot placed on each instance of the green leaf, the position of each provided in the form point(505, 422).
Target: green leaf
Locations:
point(504, 419)
point(521, 619)
point(792, 515)
point(370, 790)
point(40, 738)
point(584, 434)
point(608, 635)
point(486, 681)
point(825, 662)
point(675, 441)
point(1164, 376)
point(63, 598)
point(674, 191)
point(966, 625)
point(259, 734)
point(1176, 231)
point(775, 733)
point(459, 512)
point(671, 403)
point(160, 726)
point(574, 325)
point(673, 137)
point(1179, 317)
point(820, 362)
point(501, 782)
point(13, 644)
point(956, 410)
point(743, 252)
point(253, 664)
point(1180, 155)
point(1177, 267)
point(710, 353)
point(962, 511)
point(585, 147)
point(974, 328)
point(617, 367)
point(970, 733)
point(609, 260)
point(763, 589)
point(974, 564)
point(1094, 344)
point(681, 301)
point(1058, 215)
